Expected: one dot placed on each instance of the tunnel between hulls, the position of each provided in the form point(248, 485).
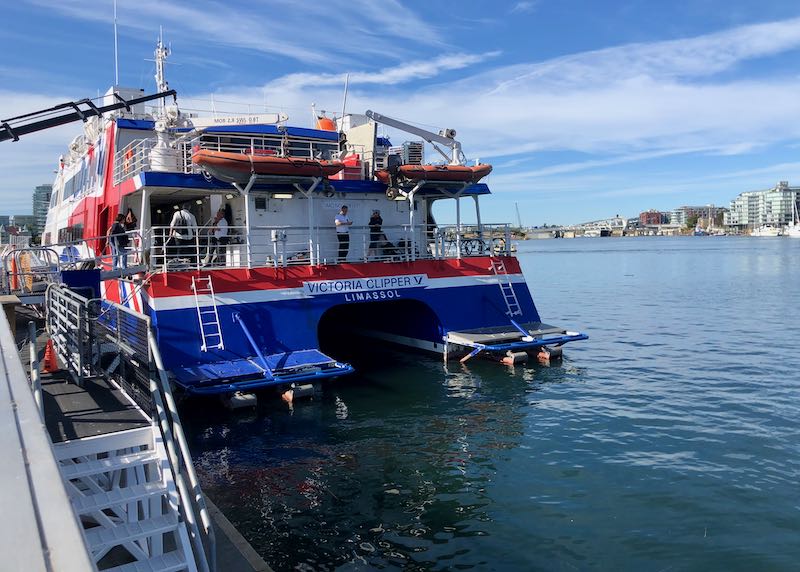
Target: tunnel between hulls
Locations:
point(353, 332)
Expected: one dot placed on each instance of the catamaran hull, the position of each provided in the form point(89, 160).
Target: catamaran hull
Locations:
point(418, 304)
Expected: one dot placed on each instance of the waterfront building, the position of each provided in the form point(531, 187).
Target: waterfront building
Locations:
point(14, 235)
point(27, 221)
point(681, 215)
point(41, 202)
point(772, 207)
point(652, 217)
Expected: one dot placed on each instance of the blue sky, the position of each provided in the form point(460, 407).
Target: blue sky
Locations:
point(586, 109)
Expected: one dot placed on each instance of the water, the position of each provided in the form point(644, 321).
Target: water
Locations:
point(668, 441)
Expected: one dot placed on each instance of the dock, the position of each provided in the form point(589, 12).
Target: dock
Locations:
point(81, 456)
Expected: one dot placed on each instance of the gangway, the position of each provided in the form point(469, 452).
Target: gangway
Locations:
point(130, 479)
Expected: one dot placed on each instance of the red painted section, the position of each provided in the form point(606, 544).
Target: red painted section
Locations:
point(126, 187)
point(88, 211)
point(237, 280)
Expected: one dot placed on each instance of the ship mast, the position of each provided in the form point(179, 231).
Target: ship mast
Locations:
point(161, 54)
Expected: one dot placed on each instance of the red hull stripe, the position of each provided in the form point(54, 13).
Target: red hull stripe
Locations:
point(237, 279)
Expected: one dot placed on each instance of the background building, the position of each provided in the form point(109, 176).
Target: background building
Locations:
point(753, 209)
point(682, 215)
point(22, 220)
point(653, 217)
point(41, 202)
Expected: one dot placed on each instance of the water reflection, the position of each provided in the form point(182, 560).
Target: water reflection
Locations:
point(668, 441)
point(385, 468)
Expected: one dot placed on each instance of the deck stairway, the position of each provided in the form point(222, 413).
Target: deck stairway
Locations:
point(122, 489)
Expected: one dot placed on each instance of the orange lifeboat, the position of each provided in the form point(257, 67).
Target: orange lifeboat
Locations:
point(237, 167)
point(440, 173)
point(325, 123)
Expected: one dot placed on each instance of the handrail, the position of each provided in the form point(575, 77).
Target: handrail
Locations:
point(36, 379)
point(277, 246)
point(171, 412)
point(282, 246)
point(191, 502)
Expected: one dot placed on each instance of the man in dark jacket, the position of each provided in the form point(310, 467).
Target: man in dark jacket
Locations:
point(118, 241)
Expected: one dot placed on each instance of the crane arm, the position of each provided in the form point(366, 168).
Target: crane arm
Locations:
point(457, 157)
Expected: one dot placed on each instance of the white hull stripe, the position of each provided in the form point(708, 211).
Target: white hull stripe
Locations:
point(276, 295)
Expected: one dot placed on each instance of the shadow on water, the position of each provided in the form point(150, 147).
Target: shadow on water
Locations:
point(390, 466)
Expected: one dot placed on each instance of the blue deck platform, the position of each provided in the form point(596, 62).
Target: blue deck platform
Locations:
point(248, 374)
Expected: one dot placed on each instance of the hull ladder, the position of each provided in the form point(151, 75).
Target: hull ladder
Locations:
point(509, 296)
point(210, 328)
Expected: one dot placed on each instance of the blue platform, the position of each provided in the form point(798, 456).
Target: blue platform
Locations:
point(247, 374)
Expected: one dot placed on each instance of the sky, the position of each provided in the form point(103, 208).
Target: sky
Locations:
point(586, 109)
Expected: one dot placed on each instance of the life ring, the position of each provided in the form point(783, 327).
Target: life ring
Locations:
point(126, 164)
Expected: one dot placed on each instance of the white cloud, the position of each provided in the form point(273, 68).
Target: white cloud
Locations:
point(523, 7)
point(356, 29)
point(684, 58)
point(420, 69)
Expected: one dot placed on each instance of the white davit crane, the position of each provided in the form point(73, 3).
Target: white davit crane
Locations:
point(445, 137)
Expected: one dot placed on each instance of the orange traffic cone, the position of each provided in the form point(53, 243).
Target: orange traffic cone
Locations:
point(50, 364)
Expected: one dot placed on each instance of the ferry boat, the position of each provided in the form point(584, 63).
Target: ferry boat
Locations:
point(246, 308)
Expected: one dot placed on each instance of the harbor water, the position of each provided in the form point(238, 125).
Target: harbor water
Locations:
point(667, 441)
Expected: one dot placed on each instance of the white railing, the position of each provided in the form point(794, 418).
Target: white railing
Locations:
point(281, 246)
point(132, 159)
point(136, 156)
point(292, 146)
point(261, 246)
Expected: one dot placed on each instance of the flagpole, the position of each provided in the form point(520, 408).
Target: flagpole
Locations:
point(116, 53)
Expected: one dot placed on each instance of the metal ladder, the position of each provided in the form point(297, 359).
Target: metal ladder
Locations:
point(122, 488)
point(509, 296)
point(210, 329)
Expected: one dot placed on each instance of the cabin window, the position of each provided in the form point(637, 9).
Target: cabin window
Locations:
point(70, 233)
point(260, 203)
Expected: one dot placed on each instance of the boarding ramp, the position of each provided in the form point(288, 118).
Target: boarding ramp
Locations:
point(134, 490)
point(39, 531)
point(27, 271)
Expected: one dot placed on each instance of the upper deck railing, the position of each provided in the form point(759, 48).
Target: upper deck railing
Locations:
point(282, 246)
point(138, 154)
point(29, 271)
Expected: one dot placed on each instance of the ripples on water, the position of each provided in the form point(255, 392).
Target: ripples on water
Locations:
point(668, 441)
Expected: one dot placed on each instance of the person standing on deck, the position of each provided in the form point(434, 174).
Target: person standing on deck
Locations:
point(182, 231)
point(118, 241)
point(218, 236)
point(375, 234)
point(343, 224)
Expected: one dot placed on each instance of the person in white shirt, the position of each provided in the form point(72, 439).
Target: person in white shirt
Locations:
point(182, 231)
point(343, 224)
point(218, 236)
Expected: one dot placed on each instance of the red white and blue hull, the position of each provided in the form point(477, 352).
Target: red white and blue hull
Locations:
point(411, 303)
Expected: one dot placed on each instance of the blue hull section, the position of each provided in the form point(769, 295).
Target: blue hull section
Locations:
point(290, 325)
